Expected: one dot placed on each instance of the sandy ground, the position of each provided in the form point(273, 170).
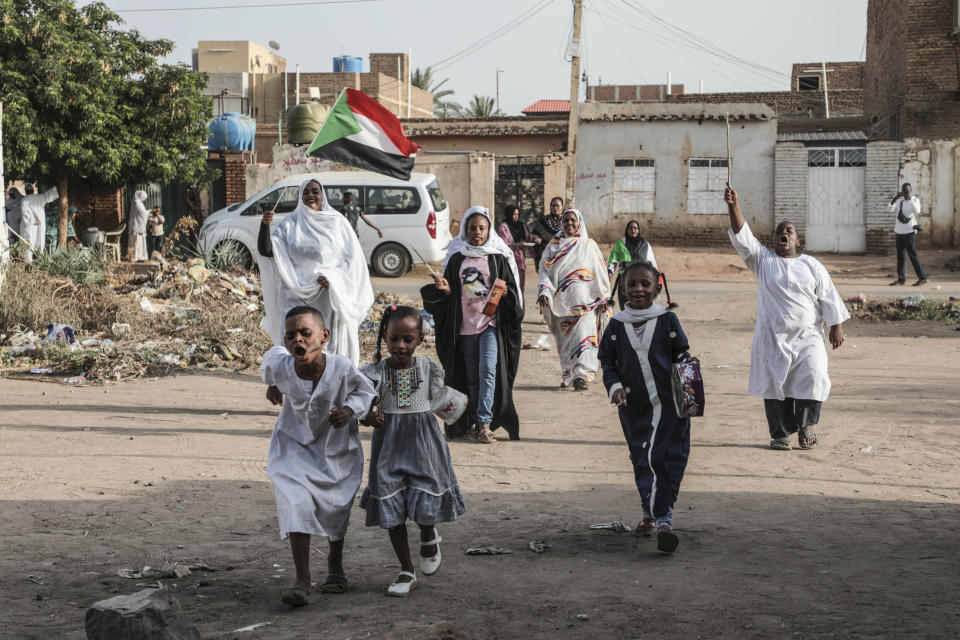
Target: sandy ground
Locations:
point(840, 542)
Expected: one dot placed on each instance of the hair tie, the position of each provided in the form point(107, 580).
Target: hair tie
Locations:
point(393, 307)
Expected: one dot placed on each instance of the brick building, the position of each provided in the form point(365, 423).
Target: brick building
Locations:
point(912, 98)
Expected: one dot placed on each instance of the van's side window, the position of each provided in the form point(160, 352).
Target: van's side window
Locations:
point(335, 196)
point(389, 200)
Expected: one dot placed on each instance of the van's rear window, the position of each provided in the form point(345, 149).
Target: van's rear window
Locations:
point(436, 195)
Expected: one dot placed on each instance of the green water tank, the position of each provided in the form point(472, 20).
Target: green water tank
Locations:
point(304, 120)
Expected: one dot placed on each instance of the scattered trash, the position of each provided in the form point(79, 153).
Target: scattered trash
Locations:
point(119, 328)
point(41, 371)
point(723, 366)
point(78, 380)
point(35, 579)
point(538, 546)
point(583, 617)
point(542, 343)
point(866, 449)
point(912, 301)
point(617, 527)
point(62, 333)
point(169, 570)
point(487, 551)
point(235, 330)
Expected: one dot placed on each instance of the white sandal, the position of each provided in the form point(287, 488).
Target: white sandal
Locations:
point(402, 589)
point(431, 565)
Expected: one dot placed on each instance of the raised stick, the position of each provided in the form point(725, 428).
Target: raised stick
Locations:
point(728, 149)
point(19, 236)
point(432, 272)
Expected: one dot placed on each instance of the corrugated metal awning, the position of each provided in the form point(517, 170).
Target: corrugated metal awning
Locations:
point(823, 136)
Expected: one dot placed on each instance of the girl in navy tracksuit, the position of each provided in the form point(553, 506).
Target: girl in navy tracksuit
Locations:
point(636, 353)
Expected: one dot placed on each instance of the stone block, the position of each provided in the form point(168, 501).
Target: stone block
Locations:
point(151, 614)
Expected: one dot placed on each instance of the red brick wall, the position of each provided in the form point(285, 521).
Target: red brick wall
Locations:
point(911, 81)
point(100, 207)
point(235, 173)
point(840, 75)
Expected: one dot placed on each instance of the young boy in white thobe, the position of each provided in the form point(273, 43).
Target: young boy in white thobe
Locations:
point(315, 460)
point(788, 360)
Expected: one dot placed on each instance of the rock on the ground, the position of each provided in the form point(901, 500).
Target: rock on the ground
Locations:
point(151, 614)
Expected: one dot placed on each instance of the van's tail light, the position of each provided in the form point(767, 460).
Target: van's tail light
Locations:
point(432, 225)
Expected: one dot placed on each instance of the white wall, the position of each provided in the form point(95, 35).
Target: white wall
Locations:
point(671, 143)
point(931, 169)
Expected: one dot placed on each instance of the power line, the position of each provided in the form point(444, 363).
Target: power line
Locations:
point(245, 6)
point(491, 37)
point(622, 49)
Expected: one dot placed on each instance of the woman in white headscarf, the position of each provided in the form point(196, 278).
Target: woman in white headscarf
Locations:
point(313, 258)
point(573, 292)
point(137, 227)
point(479, 353)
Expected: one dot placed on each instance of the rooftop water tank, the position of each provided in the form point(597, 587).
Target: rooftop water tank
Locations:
point(231, 131)
point(348, 64)
point(304, 120)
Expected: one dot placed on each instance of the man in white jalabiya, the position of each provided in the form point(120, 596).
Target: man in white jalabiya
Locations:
point(137, 226)
point(33, 219)
point(788, 359)
point(314, 258)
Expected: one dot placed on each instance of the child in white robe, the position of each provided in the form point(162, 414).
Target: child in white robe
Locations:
point(315, 460)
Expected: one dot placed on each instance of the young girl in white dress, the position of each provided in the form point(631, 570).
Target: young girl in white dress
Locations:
point(411, 473)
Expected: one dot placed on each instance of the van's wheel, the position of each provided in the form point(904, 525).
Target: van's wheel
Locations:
point(391, 260)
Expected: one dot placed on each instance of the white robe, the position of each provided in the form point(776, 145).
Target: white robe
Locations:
point(315, 468)
point(308, 244)
point(796, 297)
point(137, 227)
point(33, 220)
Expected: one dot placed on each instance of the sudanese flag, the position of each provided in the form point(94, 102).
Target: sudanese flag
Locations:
point(360, 132)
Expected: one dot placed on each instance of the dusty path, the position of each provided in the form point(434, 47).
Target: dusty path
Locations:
point(835, 542)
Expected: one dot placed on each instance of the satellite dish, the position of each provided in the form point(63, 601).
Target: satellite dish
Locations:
point(274, 45)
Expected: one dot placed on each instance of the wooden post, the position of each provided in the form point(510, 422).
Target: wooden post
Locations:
point(574, 120)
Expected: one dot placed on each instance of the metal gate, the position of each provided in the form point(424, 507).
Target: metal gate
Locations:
point(520, 182)
point(835, 194)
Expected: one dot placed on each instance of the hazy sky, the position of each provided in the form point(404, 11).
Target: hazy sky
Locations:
point(755, 41)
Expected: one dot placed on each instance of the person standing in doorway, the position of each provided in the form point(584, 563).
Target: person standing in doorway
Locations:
point(907, 207)
point(353, 213)
point(33, 219)
point(545, 228)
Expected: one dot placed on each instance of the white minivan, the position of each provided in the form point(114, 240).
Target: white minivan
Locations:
point(411, 213)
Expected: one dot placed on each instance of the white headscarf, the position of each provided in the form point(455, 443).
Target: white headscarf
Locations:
point(308, 244)
point(573, 273)
point(494, 243)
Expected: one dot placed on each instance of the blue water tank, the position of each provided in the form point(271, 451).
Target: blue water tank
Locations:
point(231, 131)
point(347, 64)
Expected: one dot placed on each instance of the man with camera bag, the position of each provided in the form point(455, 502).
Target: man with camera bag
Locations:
point(907, 206)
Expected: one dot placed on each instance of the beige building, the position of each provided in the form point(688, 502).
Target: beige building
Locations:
point(236, 56)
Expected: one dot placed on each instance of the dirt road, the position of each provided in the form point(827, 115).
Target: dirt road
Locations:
point(856, 539)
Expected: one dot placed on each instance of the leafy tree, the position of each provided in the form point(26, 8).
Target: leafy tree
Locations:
point(481, 107)
point(86, 100)
point(423, 79)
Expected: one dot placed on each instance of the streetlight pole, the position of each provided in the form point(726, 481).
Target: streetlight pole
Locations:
point(499, 71)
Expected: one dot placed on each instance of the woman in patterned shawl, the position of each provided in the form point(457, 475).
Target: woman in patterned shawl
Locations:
point(574, 290)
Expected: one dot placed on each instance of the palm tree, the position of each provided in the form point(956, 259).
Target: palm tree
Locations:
point(423, 79)
point(481, 107)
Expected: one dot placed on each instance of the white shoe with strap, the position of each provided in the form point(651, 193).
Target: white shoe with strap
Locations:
point(431, 565)
point(402, 589)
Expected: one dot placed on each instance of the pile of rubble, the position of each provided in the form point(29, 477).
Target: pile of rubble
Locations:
point(178, 316)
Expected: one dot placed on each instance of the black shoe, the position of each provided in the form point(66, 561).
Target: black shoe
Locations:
point(897, 282)
point(920, 282)
point(580, 384)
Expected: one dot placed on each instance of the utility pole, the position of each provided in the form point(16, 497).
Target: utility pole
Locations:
point(574, 100)
point(826, 98)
